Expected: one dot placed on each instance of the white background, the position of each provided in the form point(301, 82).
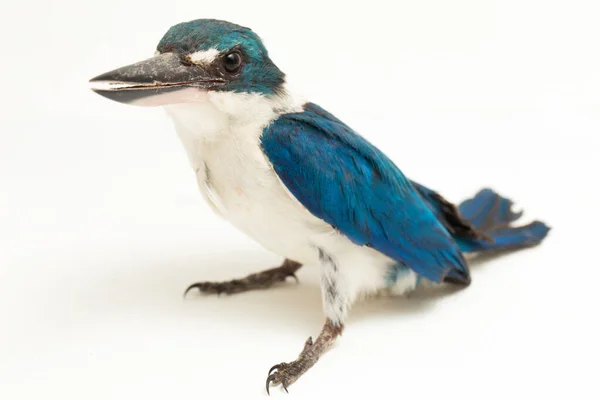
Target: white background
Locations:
point(102, 227)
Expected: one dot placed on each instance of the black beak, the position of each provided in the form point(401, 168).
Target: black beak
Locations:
point(156, 81)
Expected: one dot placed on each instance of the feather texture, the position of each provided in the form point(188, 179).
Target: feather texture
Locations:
point(488, 211)
point(482, 223)
point(343, 179)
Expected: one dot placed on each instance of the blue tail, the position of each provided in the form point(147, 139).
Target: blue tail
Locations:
point(488, 211)
point(483, 223)
point(492, 215)
point(508, 238)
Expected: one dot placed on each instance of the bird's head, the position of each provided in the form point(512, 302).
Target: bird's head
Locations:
point(191, 60)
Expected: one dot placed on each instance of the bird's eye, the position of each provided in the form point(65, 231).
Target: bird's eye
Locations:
point(232, 62)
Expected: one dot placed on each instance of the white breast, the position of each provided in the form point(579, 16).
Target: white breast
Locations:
point(235, 177)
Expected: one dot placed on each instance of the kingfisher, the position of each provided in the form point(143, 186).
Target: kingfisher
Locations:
point(304, 184)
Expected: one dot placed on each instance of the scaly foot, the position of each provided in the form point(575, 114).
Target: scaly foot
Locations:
point(288, 373)
point(260, 280)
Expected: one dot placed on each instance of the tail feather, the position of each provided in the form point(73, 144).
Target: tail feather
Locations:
point(483, 222)
point(488, 211)
point(492, 214)
point(509, 238)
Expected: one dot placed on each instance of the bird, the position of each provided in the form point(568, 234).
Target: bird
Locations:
point(305, 185)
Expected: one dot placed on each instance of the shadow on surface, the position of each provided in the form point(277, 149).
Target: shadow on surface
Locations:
point(154, 285)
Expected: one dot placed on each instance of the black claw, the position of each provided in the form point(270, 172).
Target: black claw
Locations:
point(295, 277)
point(270, 379)
point(284, 384)
point(192, 286)
point(274, 367)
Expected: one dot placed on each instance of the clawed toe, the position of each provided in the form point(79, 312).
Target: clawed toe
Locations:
point(270, 378)
point(275, 377)
point(255, 281)
point(205, 287)
point(287, 373)
point(274, 367)
point(192, 286)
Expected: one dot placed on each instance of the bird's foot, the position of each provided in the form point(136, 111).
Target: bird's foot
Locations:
point(286, 374)
point(260, 280)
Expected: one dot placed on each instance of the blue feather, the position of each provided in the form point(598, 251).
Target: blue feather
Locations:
point(343, 179)
point(509, 238)
point(487, 210)
point(482, 223)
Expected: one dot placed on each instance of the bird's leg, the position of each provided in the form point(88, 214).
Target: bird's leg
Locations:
point(336, 302)
point(287, 373)
point(259, 280)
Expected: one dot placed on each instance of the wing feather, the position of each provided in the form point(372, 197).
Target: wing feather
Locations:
point(346, 181)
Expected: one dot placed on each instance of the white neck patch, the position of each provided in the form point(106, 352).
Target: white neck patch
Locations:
point(227, 115)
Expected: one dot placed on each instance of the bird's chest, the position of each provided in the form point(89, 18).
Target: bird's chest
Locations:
point(235, 178)
point(240, 184)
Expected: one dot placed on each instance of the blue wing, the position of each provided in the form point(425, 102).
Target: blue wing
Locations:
point(347, 182)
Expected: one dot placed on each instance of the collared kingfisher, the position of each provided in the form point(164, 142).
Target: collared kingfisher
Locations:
point(304, 184)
